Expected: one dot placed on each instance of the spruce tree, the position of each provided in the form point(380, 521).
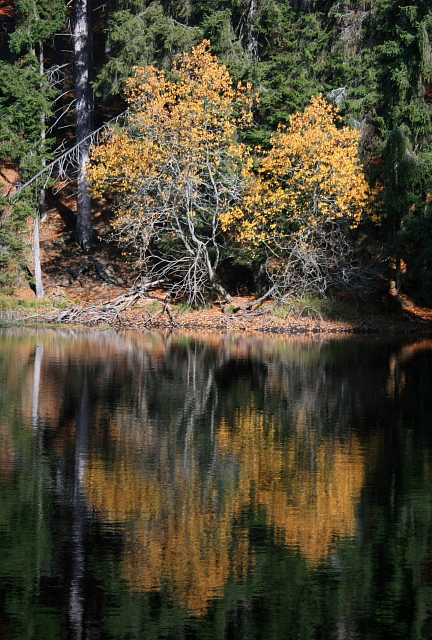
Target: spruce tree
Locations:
point(26, 102)
point(142, 35)
point(402, 112)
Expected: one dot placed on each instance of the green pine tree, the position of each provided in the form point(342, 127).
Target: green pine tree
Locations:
point(27, 100)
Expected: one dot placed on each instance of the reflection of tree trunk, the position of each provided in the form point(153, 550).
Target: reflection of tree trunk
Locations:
point(196, 403)
point(76, 602)
point(36, 384)
point(38, 451)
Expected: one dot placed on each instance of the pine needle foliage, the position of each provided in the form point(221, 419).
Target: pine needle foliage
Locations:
point(27, 101)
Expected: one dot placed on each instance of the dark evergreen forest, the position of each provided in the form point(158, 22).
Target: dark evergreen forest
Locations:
point(64, 68)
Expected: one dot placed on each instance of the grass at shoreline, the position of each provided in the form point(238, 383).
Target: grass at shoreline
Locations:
point(12, 303)
point(329, 309)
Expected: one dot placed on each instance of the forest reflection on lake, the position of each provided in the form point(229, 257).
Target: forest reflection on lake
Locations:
point(214, 486)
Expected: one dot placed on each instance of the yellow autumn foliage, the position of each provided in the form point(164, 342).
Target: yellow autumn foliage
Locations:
point(166, 164)
point(311, 175)
point(186, 184)
point(174, 167)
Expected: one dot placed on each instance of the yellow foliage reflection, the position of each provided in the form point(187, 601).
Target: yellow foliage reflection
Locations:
point(180, 523)
point(181, 533)
point(180, 498)
point(309, 492)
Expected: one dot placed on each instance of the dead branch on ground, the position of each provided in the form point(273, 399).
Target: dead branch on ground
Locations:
point(104, 313)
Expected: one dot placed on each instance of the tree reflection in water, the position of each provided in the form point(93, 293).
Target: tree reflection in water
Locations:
point(183, 465)
point(182, 491)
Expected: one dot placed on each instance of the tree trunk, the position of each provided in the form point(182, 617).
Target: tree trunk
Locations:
point(251, 32)
point(36, 256)
point(42, 195)
point(83, 94)
point(42, 200)
point(398, 275)
point(110, 8)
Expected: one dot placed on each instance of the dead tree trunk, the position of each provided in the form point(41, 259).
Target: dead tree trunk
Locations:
point(83, 94)
point(110, 8)
point(251, 32)
point(41, 215)
point(36, 256)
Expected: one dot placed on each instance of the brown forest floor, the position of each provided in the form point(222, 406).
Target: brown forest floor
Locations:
point(61, 256)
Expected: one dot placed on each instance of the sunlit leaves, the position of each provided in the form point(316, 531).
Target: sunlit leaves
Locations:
point(184, 178)
point(310, 176)
point(177, 166)
point(176, 126)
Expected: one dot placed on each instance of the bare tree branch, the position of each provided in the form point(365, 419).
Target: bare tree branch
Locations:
point(67, 163)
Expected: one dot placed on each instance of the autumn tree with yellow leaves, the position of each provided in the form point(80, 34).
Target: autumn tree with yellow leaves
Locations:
point(189, 194)
point(308, 193)
point(177, 168)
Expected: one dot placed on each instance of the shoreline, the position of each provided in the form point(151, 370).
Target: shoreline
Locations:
point(217, 322)
point(127, 309)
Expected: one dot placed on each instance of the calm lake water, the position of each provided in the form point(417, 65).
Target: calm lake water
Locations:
point(214, 487)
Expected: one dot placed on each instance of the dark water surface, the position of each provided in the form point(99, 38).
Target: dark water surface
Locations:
point(214, 487)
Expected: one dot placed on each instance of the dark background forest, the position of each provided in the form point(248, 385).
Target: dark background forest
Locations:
point(63, 69)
